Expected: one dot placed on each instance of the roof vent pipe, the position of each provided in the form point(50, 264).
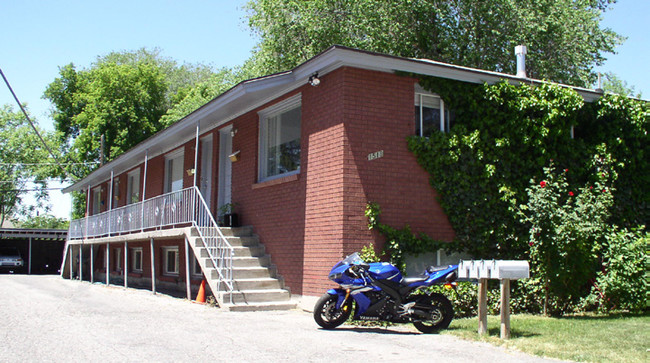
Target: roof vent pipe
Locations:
point(520, 52)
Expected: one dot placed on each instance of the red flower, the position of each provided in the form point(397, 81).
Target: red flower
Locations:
point(542, 184)
point(591, 187)
point(571, 194)
point(530, 244)
point(566, 170)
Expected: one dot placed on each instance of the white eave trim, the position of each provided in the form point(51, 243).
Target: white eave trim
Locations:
point(265, 89)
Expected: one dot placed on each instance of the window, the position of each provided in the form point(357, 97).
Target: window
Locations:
point(431, 115)
point(118, 259)
point(280, 139)
point(136, 259)
point(170, 260)
point(133, 187)
point(196, 267)
point(97, 200)
point(174, 172)
point(116, 192)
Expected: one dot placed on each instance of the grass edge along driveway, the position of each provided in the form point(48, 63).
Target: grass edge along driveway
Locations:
point(590, 338)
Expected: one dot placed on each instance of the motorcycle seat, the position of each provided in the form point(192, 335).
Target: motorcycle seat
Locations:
point(410, 280)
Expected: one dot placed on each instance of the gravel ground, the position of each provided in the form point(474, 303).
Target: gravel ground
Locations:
point(46, 318)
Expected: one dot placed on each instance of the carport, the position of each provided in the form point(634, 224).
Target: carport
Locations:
point(41, 249)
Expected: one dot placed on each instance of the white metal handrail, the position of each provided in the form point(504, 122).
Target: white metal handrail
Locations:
point(183, 207)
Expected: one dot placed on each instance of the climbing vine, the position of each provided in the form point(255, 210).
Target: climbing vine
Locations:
point(502, 137)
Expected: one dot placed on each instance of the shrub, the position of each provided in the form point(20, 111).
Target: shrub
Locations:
point(622, 282)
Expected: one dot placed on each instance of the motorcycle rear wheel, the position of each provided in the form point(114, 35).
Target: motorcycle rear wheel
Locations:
point(327, 315)
point(439, 311)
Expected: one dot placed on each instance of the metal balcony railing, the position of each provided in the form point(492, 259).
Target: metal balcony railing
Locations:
point(176, 209)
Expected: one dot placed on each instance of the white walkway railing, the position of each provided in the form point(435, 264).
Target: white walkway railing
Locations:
point(181, 208)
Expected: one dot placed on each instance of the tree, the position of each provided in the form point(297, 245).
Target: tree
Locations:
point(564, 37)
point(613, 84)
point(46, 221)
point(122, 96)
point(20, 150)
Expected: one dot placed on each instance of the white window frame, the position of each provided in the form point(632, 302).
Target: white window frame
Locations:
point(196, 267)
point(97, 200)
point(264, 115)
point(165, 254)
point(135, 259)
point(133, 177)
point(420, 94)
point(118, 258)
point(169, 160)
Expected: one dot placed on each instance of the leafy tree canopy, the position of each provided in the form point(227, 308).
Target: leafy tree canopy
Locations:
point(123, 96)
point(613, 84)
point(46, 221)
point(20, 149)
point(564, 37)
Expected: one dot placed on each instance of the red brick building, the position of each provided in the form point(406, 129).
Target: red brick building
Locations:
point(299, 160)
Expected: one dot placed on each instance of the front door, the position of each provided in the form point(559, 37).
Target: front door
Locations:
point(225, 166)
point(205, 184)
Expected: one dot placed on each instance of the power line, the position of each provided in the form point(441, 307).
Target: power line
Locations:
point(30, 190)
point(32, 164)
point(27, 116)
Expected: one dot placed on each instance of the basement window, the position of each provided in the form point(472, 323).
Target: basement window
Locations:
point(280, 139)
point(170, 260)
point(136, 259)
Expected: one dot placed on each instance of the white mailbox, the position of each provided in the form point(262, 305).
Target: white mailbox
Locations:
point(493, 269)
point(504, 270)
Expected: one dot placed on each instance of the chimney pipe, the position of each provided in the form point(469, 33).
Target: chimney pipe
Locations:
point(520, 52)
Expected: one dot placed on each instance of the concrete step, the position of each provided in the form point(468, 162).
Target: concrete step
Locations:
point(267, 306)
point(257, 251)
point(253, 272)
point(246, 241)
point(257, 284)
point(261, 261)
point(237, 231)
point(257, 296)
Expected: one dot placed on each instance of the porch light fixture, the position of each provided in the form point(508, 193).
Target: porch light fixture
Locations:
point(190, 172)
point(233, 132)
point(314, 80)
point(234, 156)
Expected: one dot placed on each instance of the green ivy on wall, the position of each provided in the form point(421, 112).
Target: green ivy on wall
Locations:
point(504, 135)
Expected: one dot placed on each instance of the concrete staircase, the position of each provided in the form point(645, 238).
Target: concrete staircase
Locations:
point(256, 282)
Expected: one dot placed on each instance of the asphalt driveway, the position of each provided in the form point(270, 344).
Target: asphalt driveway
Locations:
point(46, 318)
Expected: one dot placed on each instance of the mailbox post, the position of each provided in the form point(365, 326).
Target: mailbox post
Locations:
point(503, 270)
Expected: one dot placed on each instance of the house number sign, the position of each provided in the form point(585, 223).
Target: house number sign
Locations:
point(376, 155)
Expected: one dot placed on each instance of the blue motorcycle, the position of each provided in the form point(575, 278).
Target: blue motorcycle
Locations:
point(381, 294)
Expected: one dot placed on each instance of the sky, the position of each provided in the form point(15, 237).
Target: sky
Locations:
point(38, 37)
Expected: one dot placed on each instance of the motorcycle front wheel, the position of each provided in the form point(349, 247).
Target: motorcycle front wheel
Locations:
point(438, 310)
point(327, 315)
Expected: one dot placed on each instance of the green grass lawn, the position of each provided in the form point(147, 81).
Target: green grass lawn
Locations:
point(588, 338)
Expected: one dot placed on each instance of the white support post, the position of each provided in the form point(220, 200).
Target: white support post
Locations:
point(29, 262)
point(196, 153)
point(126, 264)
point(87, 212)
point(108, 264)
point(187, 269)
point(110, 204)
point(153, 269)
point(144, 189)
point(71, 262)
point(482, 306)
point(81, 261)
point(505, 309)
point(92, 264)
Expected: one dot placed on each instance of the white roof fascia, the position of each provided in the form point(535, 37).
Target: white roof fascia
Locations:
point(265, 89)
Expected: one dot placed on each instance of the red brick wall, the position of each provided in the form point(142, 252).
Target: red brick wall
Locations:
point(310, 221)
